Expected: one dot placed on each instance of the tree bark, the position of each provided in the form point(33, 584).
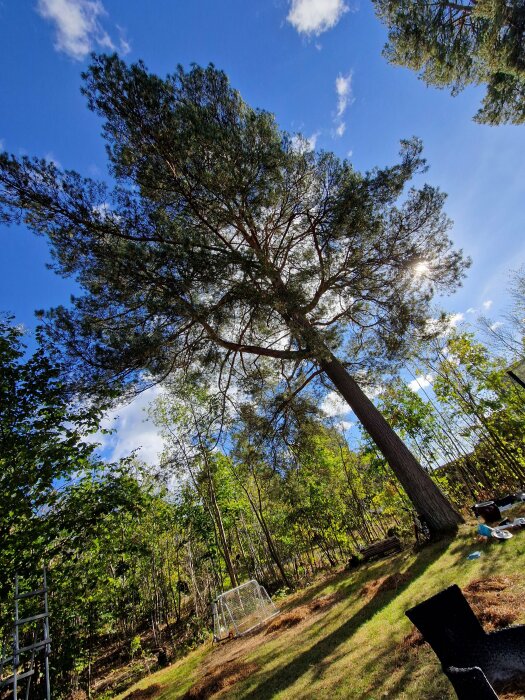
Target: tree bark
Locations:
point(428, 500)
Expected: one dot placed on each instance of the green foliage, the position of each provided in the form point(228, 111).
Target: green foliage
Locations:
point(222, 240)
point(135, 646)
point(41, 442)
point(488, 407)
point(455, 44)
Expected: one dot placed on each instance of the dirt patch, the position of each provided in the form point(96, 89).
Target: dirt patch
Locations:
point(496, 601)
point(219, 680)
point(383, 584)
point(144, 693)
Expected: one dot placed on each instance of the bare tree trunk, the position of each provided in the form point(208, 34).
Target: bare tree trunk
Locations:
point(428, 500)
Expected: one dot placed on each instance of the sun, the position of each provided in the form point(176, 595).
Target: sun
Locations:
point(421, 268)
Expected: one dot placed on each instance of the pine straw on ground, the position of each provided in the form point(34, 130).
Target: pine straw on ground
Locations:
point(495, 601)
point(144, 693)
point(302, 612)
point(220, 679)
point(383, 584)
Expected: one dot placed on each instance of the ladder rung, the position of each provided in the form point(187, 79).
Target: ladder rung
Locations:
point(20, 596)
point(25, 620)
point(19, 677)
point(37, 645)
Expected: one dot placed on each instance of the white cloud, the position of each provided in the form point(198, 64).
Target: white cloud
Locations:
point(346, 424)
point(472, 310)
point(315, 16)
point(2, 144)
point(373, 391)
point(420, 382)
point(343, 89)
point(496, 325)
point(302, 143)
point(454, 319)
point(334, 405)
point(350, 153)
point(434, 325)
point(51, 159)
point(133, 430)
point(78, 26)
point(487, 304)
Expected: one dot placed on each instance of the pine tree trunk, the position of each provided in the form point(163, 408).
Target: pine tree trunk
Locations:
point(428, 500)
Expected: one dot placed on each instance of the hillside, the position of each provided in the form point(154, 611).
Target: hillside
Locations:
point(346, 635)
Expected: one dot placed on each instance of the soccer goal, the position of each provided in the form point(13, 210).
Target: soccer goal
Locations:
point(241, 610)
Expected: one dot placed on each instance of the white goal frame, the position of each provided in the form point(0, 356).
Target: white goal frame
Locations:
point(240, 610)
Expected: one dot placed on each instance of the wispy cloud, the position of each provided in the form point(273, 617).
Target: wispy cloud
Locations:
point(315, 16)
point(2, 144)
point(78, 26)
point(487, 304)
point(496, 325)
point(343, 89)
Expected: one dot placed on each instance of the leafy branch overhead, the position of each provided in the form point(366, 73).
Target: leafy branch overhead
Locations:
point(455, 44)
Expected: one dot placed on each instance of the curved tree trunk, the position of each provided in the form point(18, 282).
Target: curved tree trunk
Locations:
point(429, 501)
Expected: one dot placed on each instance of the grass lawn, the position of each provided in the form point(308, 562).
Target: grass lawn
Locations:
point(352, 645)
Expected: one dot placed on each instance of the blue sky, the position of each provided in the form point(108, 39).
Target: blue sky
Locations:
point(316, 64)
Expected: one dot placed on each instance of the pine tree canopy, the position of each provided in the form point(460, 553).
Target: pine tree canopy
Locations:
point(457, 44)
point(224, 238)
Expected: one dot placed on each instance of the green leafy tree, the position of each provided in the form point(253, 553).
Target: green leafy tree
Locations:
point(488, 407)
point(225, 246)
point(41, 442)
point(455, 44)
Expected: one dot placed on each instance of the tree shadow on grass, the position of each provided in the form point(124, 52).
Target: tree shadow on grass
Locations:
point(352, 579)
point(493, 554)
point(270, 684)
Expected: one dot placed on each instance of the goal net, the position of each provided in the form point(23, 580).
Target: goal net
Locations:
point(241, 609)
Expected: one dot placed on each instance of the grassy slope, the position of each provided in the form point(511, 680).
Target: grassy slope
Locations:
point(351, 650)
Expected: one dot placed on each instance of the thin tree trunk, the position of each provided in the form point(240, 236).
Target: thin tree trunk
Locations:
point(222, 534)
point(428, 500)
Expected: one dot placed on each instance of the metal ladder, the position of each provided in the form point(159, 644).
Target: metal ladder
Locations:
point(14, 660)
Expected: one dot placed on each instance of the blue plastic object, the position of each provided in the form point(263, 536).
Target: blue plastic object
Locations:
point(474, 555)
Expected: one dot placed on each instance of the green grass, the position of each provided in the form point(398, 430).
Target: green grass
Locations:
point(175, 680)
point(351, 650)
